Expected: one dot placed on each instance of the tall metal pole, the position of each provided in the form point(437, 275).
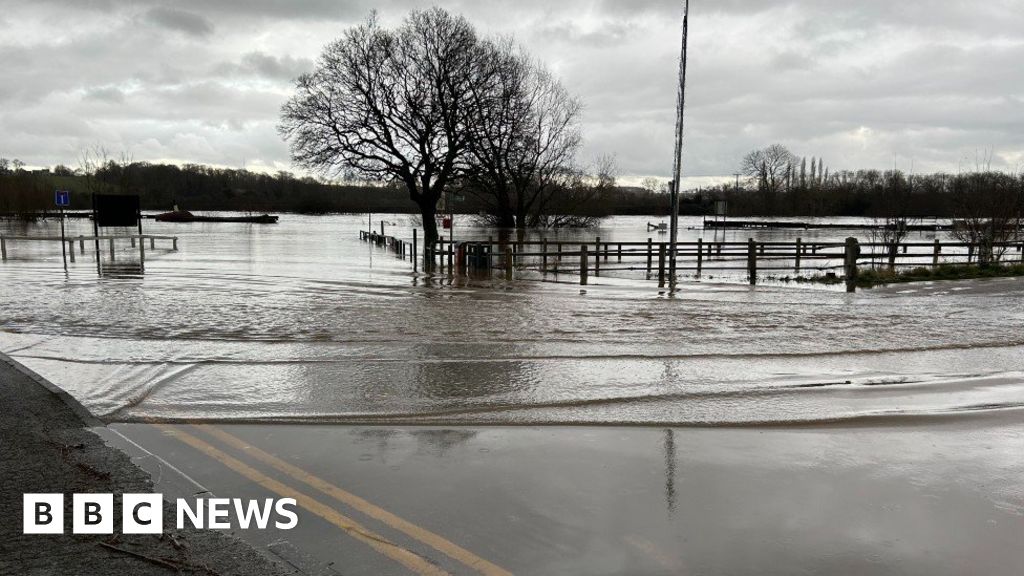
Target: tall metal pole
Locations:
point(63, 241)
point(678, 160)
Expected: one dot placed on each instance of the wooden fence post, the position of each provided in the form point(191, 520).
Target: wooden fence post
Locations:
point(597, 256)
point(81, 244)
point(583, 265)
point(799, 249)
point(152, 243)
point(71, 250)
point(111, 249)
point(544, 256)
point(661, 264)
point(935, 253)
point(620, 253)
point(893, 249)
point(650, 256)
point(3, 248)
point(508, 263)
point(752, 261)
point(415, 264)
point(174, 245)
point(142, 253)
point(850, 263)
point(700, 256)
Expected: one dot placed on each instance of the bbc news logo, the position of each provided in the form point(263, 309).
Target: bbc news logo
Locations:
point(144, 513)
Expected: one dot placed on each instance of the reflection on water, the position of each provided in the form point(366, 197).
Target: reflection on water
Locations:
point(302, 321)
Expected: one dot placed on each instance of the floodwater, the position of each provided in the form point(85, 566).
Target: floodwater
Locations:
point(301, 321)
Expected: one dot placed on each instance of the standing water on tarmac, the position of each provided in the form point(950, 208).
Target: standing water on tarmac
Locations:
point(301, 321)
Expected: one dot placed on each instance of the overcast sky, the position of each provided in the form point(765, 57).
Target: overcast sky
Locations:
point(939, 82)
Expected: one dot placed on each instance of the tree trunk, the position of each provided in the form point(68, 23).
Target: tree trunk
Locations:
point(428, 210)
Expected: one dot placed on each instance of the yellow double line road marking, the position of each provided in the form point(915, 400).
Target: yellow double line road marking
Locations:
point(407, 558)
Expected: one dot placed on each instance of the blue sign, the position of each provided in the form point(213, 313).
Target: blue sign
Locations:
point(62, 198)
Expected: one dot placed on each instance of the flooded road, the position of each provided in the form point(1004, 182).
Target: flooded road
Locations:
point(302, 322)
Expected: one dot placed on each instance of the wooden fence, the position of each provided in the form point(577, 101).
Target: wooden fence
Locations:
point(753, 260)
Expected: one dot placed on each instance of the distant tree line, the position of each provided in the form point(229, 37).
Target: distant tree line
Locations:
point(191, 187)
point(778, 183)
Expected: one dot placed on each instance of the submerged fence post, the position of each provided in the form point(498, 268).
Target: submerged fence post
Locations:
point(752, 261)
point(3, 248)
point(583, 264)
point(597, 257)
point(850, 263)
point(700, 256)
point(650, 256)
point(544, 256)
point(415, 264)
point(111, 249)
point(935, 253)
point(661, 264)
point(799, 250)
point(81, 244)
point(142, 253)
point(174, 245)
point(508, 263)
point(71, 250)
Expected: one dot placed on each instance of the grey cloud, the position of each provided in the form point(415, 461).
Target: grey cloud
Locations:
point(852, 81)
point(109, 94)
point(180, 21)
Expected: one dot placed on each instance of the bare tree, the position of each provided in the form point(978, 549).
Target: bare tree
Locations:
point(989, 208)
point(524, 140)
point(768, 168)
point(392, 105)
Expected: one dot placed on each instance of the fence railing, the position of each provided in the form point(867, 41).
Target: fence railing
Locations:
point(8, 241)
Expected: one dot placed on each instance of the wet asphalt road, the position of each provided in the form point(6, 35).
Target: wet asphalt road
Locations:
point(939, 499)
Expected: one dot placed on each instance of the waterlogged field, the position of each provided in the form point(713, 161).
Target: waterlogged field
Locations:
point(301, 321)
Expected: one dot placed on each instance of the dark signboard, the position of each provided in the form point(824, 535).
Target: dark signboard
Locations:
point(115, 210)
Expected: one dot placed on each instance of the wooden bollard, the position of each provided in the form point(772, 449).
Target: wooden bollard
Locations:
point(174, 244)
point(544, 256)
point(661, 264)
point(583, 265)
point(650, 256)
point(3, 249)
point(620, 253)
point(508, 263)
point(752, 261)
point(133, 241)
point(597, 257)
point(71, 250)
point(799, 250)
point(111, 249)
point(152, 243)
point(700, 256)
point(142, 253)
point(935, 253)
point(558, 256)
point(81, 245)
point(850, 263)
point(414, 262)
